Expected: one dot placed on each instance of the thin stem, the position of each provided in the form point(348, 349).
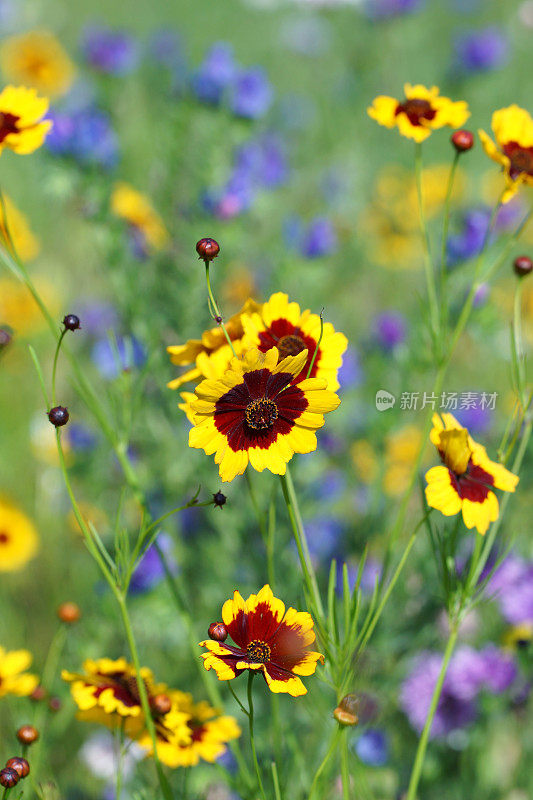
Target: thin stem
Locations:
point(54, 368)
point(251, 676)
point(345, 772)
point(214, 308)
point(329, 752)
point(241, 706)
point(445, 226)
point(428, 264)
point(275, 779)
point(120, 761)
point(518, 344)
point(423, 741)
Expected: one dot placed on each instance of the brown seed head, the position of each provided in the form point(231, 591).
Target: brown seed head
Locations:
point(27, 734)
point(462, 140)
point(58, 416)
point(523, 265)
point(217, 631)
point(161, 704)
point(207, 248)
point(20, 765)
point(9, 777)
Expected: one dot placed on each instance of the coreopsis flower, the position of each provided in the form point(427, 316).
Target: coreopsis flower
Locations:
point(281, 324)
point(513, 149)
point(22, 128)
point(18, 539)
point(421, 111)
point(205, 738)
point(211, 354)
point(38, 60)
point(269, 639)
point(13, 676)
point(254, 414)
point(147, 228)
point(13, 221)
point(467, 476)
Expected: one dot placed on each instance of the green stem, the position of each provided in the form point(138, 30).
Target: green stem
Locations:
point(329, 752)
point(48, 673)
point(275, 779)
point(54, 368)
point(214, 308)
point(445, 226)
point(518, 344)
point(345, 772)
point(428, 264)
point(251, 675)
point(120, 761)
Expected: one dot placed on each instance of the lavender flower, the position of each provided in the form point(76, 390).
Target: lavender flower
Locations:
point(85, 134)
point(372, 747)
point(216, 74)
point(512, 587)
point(481, 50)
point(350, 374)
point(384, 9)
point(111, 360)
point(97, 317)
point(150, 570)
point(324, 535)
point(252, 94)
point(110, 51)
point(389, 329)
point(315, 240)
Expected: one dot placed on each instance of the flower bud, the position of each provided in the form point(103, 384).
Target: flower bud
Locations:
point(462, 140)
point(161, 704)
point(27, 734)
point(219, 499)
point(58, 416)
point(523, 265)
point(20, 765)
point(345, 713)
point(207, 248)
point(69, 612)
point(39, 693)
point(71, 322)
point(217, 631)
point(54, 704)
point(5, 338)
point(9, 777)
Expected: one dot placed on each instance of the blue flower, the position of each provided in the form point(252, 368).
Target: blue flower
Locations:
point(350, 374)
point(111, 360)
point(481, 50)
point(324, 535)
point(372, 747)
point(383, 9)
point(216, 74)
point(315, 240)
point(252, 93)
point(390, 329)
point(110, 51)
point(81, 437)
point(150, 570)
point(85, 134)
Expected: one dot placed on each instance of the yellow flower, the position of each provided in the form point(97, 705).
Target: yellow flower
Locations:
point(421, 111)
point(18, 309)
point(13, 676)
point(282, 324)
point(19, 541)
point(365, 460)
point(135, 208)
point(269, 639)
point(37, 59)
point(518, 636)
point(464, 482)
point(24, 242)
point(211, 354)
point(205, 738)
point(513, 131)
point(255, 414)
point(22, 128)
point(401, 451)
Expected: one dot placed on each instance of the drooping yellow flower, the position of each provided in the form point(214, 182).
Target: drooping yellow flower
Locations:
point(513, 131)
point(22, 128)
point(254, 414)
point(25, 243)
point(282, 324)
point(135, 208)
point(421, 111)
point(465, 481)
point(207, 737)
point(19, 541)
point(13, 676)
point(269, 639)
point(38, 60)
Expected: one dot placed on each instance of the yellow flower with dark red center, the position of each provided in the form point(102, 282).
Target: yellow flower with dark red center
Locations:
point(281, 324)
point(205, 737)
point(465, 481)
point(421, 111)
point(16, 225)
point(269, 639)
point(37, 59)
point(19, 541)
point(211, 354)
point(135, 208)
point(254, 414)
point(513, 131)
point(13, 676)
point(22, 128)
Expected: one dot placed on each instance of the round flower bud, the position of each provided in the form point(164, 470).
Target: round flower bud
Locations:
point(39, 693)
point(58, 416)
point(219, 499)
point(20, 765)
point(5, 338)
point(27, 734)
point(217, 631)
point(69, 612)
point(462, 140)
point(523, 265)
point(207, 248)
point(346, 711)
point(71, 322)
point(161, 704)
point(54, 704)
point(218, 320)
point(9, 777)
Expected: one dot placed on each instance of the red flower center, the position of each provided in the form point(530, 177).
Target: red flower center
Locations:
point(290, 340)
point(474, 484)
point(416, 110)
point(4, 537)
point(8, 124)
point(258, 651)
point(261, 414)
point(290, 346)
point(521, 159)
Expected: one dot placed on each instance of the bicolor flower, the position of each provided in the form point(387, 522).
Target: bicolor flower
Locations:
point(254, 414)
point(269, 639)
point(22, 128)
point(280, 323)
point(13, 676)
point(513, 149)
point(421, 111)
point(465, 481)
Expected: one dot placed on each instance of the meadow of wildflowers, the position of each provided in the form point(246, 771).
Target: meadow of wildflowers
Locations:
point(266, 316)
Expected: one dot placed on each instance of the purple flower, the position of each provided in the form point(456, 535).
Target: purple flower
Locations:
point(330, 486)
point(315, 240)
point(112, 357)
point(499, 668)
point(97, 317)
point(350, 374)
point(383, 9)
point(85, 134)
point(468, 243)
point(110, 51)
point(216, 74)
point(166, 48)
point(372, 747)
point(476, 418)
point(324, 535)
point(390, 329)
point(512, 586)
point(150, 570)
point(372, 570)
point(482, 295)
point(251, 94)
point(80, 437)
point(481, 50)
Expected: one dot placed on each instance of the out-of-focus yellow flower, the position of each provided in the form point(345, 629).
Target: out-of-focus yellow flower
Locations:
point(91, 514)
point(25, 243)
point(401, 451)
point(518, 636)
point(19, 541)
point(38, 60)
point(43, 441)
point(513, 149)
point(13, 676)
point(421, 111)
point(19, 310)
point(365, 460)
point(22, 128)
point(239, 287)
point(135, 208)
